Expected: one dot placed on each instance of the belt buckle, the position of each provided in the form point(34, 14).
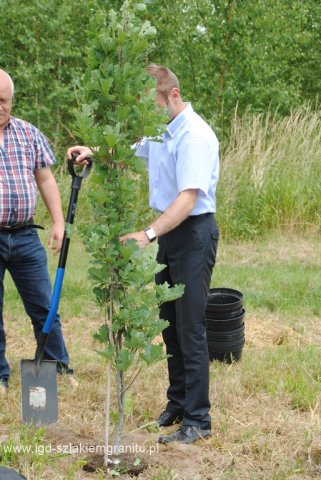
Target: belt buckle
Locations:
point(8, 228)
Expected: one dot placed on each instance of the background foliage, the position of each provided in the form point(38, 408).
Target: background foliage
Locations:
point(246, 63)
point(254, 54)
point(42, 47)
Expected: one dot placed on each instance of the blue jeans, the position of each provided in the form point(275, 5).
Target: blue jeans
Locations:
point(22, 254)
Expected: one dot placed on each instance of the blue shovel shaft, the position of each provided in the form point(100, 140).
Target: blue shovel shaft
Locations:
point(51, 315)
point(54, 301)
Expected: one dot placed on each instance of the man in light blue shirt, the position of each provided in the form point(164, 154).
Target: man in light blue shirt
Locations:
point(187, 158)
point(183, 173)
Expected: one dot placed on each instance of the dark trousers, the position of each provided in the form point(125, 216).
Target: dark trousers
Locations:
point(24, 256)
point(189, 253)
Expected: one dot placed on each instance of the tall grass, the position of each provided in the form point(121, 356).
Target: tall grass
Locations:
point(271, 175)
point(270, 178)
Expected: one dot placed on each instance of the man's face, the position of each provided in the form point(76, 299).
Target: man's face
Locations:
point(160, 99)
point(166, 104)
point(5, 100)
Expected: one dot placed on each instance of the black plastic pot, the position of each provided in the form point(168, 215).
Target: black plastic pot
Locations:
point(226, 324)
point(224, 300)
point(223, 315)
point(227, 357)
point(226, 346)
point(226, 336)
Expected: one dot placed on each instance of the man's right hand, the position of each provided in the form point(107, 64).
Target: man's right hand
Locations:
point(82, 152)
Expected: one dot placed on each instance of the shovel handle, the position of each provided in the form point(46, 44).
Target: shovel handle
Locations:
point(54, 304)
point(86, 169)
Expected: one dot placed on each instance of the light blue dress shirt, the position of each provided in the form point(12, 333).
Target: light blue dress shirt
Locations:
point(185, 156)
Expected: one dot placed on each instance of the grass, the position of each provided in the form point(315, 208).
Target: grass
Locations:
point(272, 277)
point(265, 408)
point(271, 175)
point(285, 372)
point(270, 178)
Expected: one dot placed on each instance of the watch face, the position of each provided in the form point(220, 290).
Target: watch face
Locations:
point(150, 234)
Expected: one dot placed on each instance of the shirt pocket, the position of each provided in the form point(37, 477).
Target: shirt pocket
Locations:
point(26, 157)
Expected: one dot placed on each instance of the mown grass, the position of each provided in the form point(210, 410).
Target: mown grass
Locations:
point(285, 371)
point(279, 288)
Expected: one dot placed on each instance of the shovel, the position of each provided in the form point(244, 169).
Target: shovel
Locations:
point(39, 377)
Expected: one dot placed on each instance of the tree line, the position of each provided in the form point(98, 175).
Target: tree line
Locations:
point(231, 56)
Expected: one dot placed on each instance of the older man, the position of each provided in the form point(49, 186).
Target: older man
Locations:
point(25, 160)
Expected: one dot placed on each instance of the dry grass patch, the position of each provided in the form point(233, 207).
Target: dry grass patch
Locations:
point(265, 409)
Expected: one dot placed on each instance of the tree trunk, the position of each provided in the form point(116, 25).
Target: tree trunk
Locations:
point(121, 410)
point(221, 80)
point(107, 423)
point(108, 386)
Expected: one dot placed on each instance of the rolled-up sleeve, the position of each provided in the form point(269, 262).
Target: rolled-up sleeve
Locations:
point(142, 148)
point(194, 165)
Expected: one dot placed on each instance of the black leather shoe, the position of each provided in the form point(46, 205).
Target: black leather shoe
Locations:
point(167, 418)
point(185, 434)
point(3, 386)
point(62, 368)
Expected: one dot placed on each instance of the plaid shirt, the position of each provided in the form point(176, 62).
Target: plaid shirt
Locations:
point(25, 149)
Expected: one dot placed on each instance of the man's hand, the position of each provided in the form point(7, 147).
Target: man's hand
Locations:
point(140, 237)
point(56, 237)
point(82, 152)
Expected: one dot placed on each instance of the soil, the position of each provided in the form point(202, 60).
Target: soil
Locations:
point(187, 458)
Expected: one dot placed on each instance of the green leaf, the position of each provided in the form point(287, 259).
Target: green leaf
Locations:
point(124, 359)
point(106, 84)
point(153, 353)
point(165, 293)
point(135, 340)
point(140, 7)
point(102, 334)
point(111, 139)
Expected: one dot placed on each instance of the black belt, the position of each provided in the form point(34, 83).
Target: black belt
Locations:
point(201, 215)
point(19, 226)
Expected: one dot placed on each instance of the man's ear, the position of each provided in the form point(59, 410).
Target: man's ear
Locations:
point(175, 93)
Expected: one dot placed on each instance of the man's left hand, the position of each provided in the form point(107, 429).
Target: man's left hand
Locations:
point(140, 237)
point(56, 237)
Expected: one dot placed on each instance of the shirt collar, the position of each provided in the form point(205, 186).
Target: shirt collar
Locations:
point(178, 121)
point(8, 125)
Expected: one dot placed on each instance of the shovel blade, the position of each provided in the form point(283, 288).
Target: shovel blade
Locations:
point(39, 398)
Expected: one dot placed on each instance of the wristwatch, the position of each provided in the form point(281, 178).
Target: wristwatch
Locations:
point(150, 233)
